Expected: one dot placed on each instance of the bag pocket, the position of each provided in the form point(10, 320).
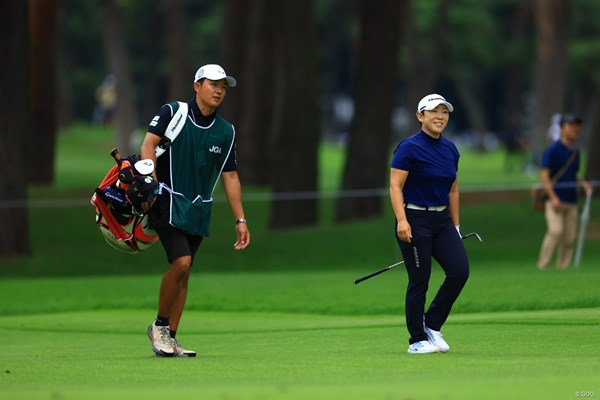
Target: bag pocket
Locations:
point(190, 217)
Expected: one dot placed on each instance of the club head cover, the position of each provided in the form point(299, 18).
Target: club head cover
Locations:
point(142, 193)
point(127, 175)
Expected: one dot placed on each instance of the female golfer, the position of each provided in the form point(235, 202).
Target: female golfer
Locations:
point(424, 195)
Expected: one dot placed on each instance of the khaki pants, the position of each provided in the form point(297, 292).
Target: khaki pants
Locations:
point(562, 232)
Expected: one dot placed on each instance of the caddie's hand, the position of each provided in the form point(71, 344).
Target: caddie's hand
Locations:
point(403, 231)
point(243, 236)
point(587, 188)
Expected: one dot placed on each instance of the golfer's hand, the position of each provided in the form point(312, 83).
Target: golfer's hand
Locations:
point(243, 236)
point(403, 231)
point(587, 188)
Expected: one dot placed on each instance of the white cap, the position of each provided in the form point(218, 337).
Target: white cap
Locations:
point(214, 72)
point(431, 101)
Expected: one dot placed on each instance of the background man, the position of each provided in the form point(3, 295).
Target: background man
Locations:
point(561, 160)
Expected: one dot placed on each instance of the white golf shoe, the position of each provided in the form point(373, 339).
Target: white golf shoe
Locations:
point(423, 347)
point(160, 336)
point(180, 351)
point(437, 339)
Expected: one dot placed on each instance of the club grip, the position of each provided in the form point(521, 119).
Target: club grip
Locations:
point(372, 274)
point(115, 154)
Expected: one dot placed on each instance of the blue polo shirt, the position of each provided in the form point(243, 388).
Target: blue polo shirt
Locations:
point(554, 157)
point(431, 164)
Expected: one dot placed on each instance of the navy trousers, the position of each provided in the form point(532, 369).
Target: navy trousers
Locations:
point(433, 236)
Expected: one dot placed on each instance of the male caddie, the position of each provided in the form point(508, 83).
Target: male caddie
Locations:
point(188, 171)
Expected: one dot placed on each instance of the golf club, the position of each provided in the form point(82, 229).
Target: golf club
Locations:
point(473, 234)
point(372, 274)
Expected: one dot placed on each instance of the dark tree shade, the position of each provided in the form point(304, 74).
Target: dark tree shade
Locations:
point(425, 55)
point(178, 44)
point(552, 18)
point(43, 93)
point(119, 64)
point(593, 164)
point(367, 160)
point(295, 160)
point(255, 130)
point(232, 52)
point(14, 103)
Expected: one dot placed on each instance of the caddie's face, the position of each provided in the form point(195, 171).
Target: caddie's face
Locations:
point(211, 93)
point(434, 121)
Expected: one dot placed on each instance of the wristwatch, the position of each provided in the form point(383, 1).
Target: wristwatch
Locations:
point(241, 221)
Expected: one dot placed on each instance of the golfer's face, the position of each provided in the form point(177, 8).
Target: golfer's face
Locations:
point(434, 121)
point(211, 93)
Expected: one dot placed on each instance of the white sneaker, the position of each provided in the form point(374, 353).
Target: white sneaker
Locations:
point(437, 339)
point(160, 337)
point(180, 351)
point(423, 347)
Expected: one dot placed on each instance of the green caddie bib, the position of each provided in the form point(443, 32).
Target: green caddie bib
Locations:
point(197, 159)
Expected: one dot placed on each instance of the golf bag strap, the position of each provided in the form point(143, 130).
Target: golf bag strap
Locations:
point(114, 226)
point(174, 128)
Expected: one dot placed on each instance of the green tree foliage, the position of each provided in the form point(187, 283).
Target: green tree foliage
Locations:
point(584, 48)
point(479, 54)
point(83, 64)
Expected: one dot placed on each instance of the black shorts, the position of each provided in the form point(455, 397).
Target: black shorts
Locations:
point(175, 242)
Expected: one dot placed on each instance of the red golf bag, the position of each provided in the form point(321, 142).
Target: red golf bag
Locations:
point(122, 202)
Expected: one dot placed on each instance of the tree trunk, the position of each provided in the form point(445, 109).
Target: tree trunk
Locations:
point(519, 25)
point(43, 94)
point(513, 116)
point(232, 55)
point(181, 71)
point(125, 115)
point(255, 128)
point(367, 160)
point(14, 103)
point(552, 19)
point(295, 160)
point(592, 172)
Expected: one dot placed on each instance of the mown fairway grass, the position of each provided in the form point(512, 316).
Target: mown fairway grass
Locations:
point(283, 319)
point(248, 355)
point(301, 335)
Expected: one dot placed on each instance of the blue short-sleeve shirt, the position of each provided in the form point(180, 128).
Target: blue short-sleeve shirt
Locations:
point(432, 165)
point(554, 157)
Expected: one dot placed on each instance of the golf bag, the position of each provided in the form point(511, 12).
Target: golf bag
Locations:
point(122, 201)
